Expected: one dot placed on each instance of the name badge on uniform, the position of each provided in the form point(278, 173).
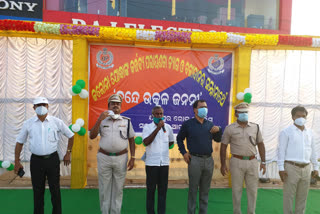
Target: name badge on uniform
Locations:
point(122, 126)
point(105, 126)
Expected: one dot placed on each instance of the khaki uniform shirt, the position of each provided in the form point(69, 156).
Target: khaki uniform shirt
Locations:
point(113, 134)
point(239, 138)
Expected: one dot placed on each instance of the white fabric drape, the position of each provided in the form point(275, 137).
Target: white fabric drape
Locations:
point(281, 80)
point(31, 67)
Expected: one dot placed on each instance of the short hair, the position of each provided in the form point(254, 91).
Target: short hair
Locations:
point(195, 104)
point(155, 108)
point(298, 108)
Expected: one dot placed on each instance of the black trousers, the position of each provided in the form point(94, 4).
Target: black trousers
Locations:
point(157, 176)
point(42, 168)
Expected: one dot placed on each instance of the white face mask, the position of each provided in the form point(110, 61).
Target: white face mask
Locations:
point(41, 110)
point(300, 121)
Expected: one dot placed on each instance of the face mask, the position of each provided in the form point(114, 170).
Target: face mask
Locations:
point(300, 121)
point(115, 116)
point(202, 112)
point(243, 117)
point(41, 110)
point(157, 120)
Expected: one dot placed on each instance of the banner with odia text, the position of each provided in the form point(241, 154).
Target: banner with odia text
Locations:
point(172, 78)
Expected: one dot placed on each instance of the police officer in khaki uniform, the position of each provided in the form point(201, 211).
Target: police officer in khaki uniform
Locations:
point(115, 131)
point(243, 137)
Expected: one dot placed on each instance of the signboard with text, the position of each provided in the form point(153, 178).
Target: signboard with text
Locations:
point(140, 23)
point(172, 78)
point(21, 9)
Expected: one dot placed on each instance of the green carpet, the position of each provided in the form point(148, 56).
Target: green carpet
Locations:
point(86, 201)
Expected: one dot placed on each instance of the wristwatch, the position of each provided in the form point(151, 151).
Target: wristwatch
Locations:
point(264, 163)
point(69, 150)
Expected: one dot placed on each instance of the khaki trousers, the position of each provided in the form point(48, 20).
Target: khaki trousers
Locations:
point(296, 185)
point(112, 172)
point(248, 171)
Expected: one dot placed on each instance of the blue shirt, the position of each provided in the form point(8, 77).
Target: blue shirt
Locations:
point(199, 138)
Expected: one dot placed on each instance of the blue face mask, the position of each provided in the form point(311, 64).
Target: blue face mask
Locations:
point(243, 117)
point(202, 112)
point(157, 120)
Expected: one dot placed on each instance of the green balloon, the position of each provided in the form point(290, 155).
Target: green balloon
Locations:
point(76, 89)
point(11, 167)
point(70, 127)
point(171, 147)
point(247, 97)
point(138, 140)
point(82, 131)
point(0, 164)
point(81, 83)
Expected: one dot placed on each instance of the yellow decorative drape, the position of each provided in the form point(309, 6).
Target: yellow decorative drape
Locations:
point(79, 110)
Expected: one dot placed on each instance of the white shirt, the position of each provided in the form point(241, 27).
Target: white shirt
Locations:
point(43, 136)
point(297, 146)
point(157, 153)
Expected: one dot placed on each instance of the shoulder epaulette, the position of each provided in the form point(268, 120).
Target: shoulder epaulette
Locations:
point(127, 118)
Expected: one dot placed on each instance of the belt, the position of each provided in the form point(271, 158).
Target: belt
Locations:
point(244, 157)
point(301, 165)
point(45, 156)
point(113, 153)
point(200, 156)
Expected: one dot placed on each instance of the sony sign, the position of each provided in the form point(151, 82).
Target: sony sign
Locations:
point(11, 5)
point(26, 8)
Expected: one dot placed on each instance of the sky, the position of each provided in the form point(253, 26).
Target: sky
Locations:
point(305, 15)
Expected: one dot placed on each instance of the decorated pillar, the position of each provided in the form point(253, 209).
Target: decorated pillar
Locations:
point(79, 110)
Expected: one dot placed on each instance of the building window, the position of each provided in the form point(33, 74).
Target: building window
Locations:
point(240, 13)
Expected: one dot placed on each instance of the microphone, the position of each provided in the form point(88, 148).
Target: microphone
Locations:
point(164, 129)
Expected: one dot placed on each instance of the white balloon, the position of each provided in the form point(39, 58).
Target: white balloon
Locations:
point(75, 127)
point(240, 96)
point(5, 164)
point(80, 122)
point(248, 90)
point(71, 92)
point(84, 94)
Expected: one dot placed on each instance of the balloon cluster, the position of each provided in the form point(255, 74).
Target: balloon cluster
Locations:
point(138, 140)
point(78, 88)
point(6, 165)
point(245, 96)
point(77, 127)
